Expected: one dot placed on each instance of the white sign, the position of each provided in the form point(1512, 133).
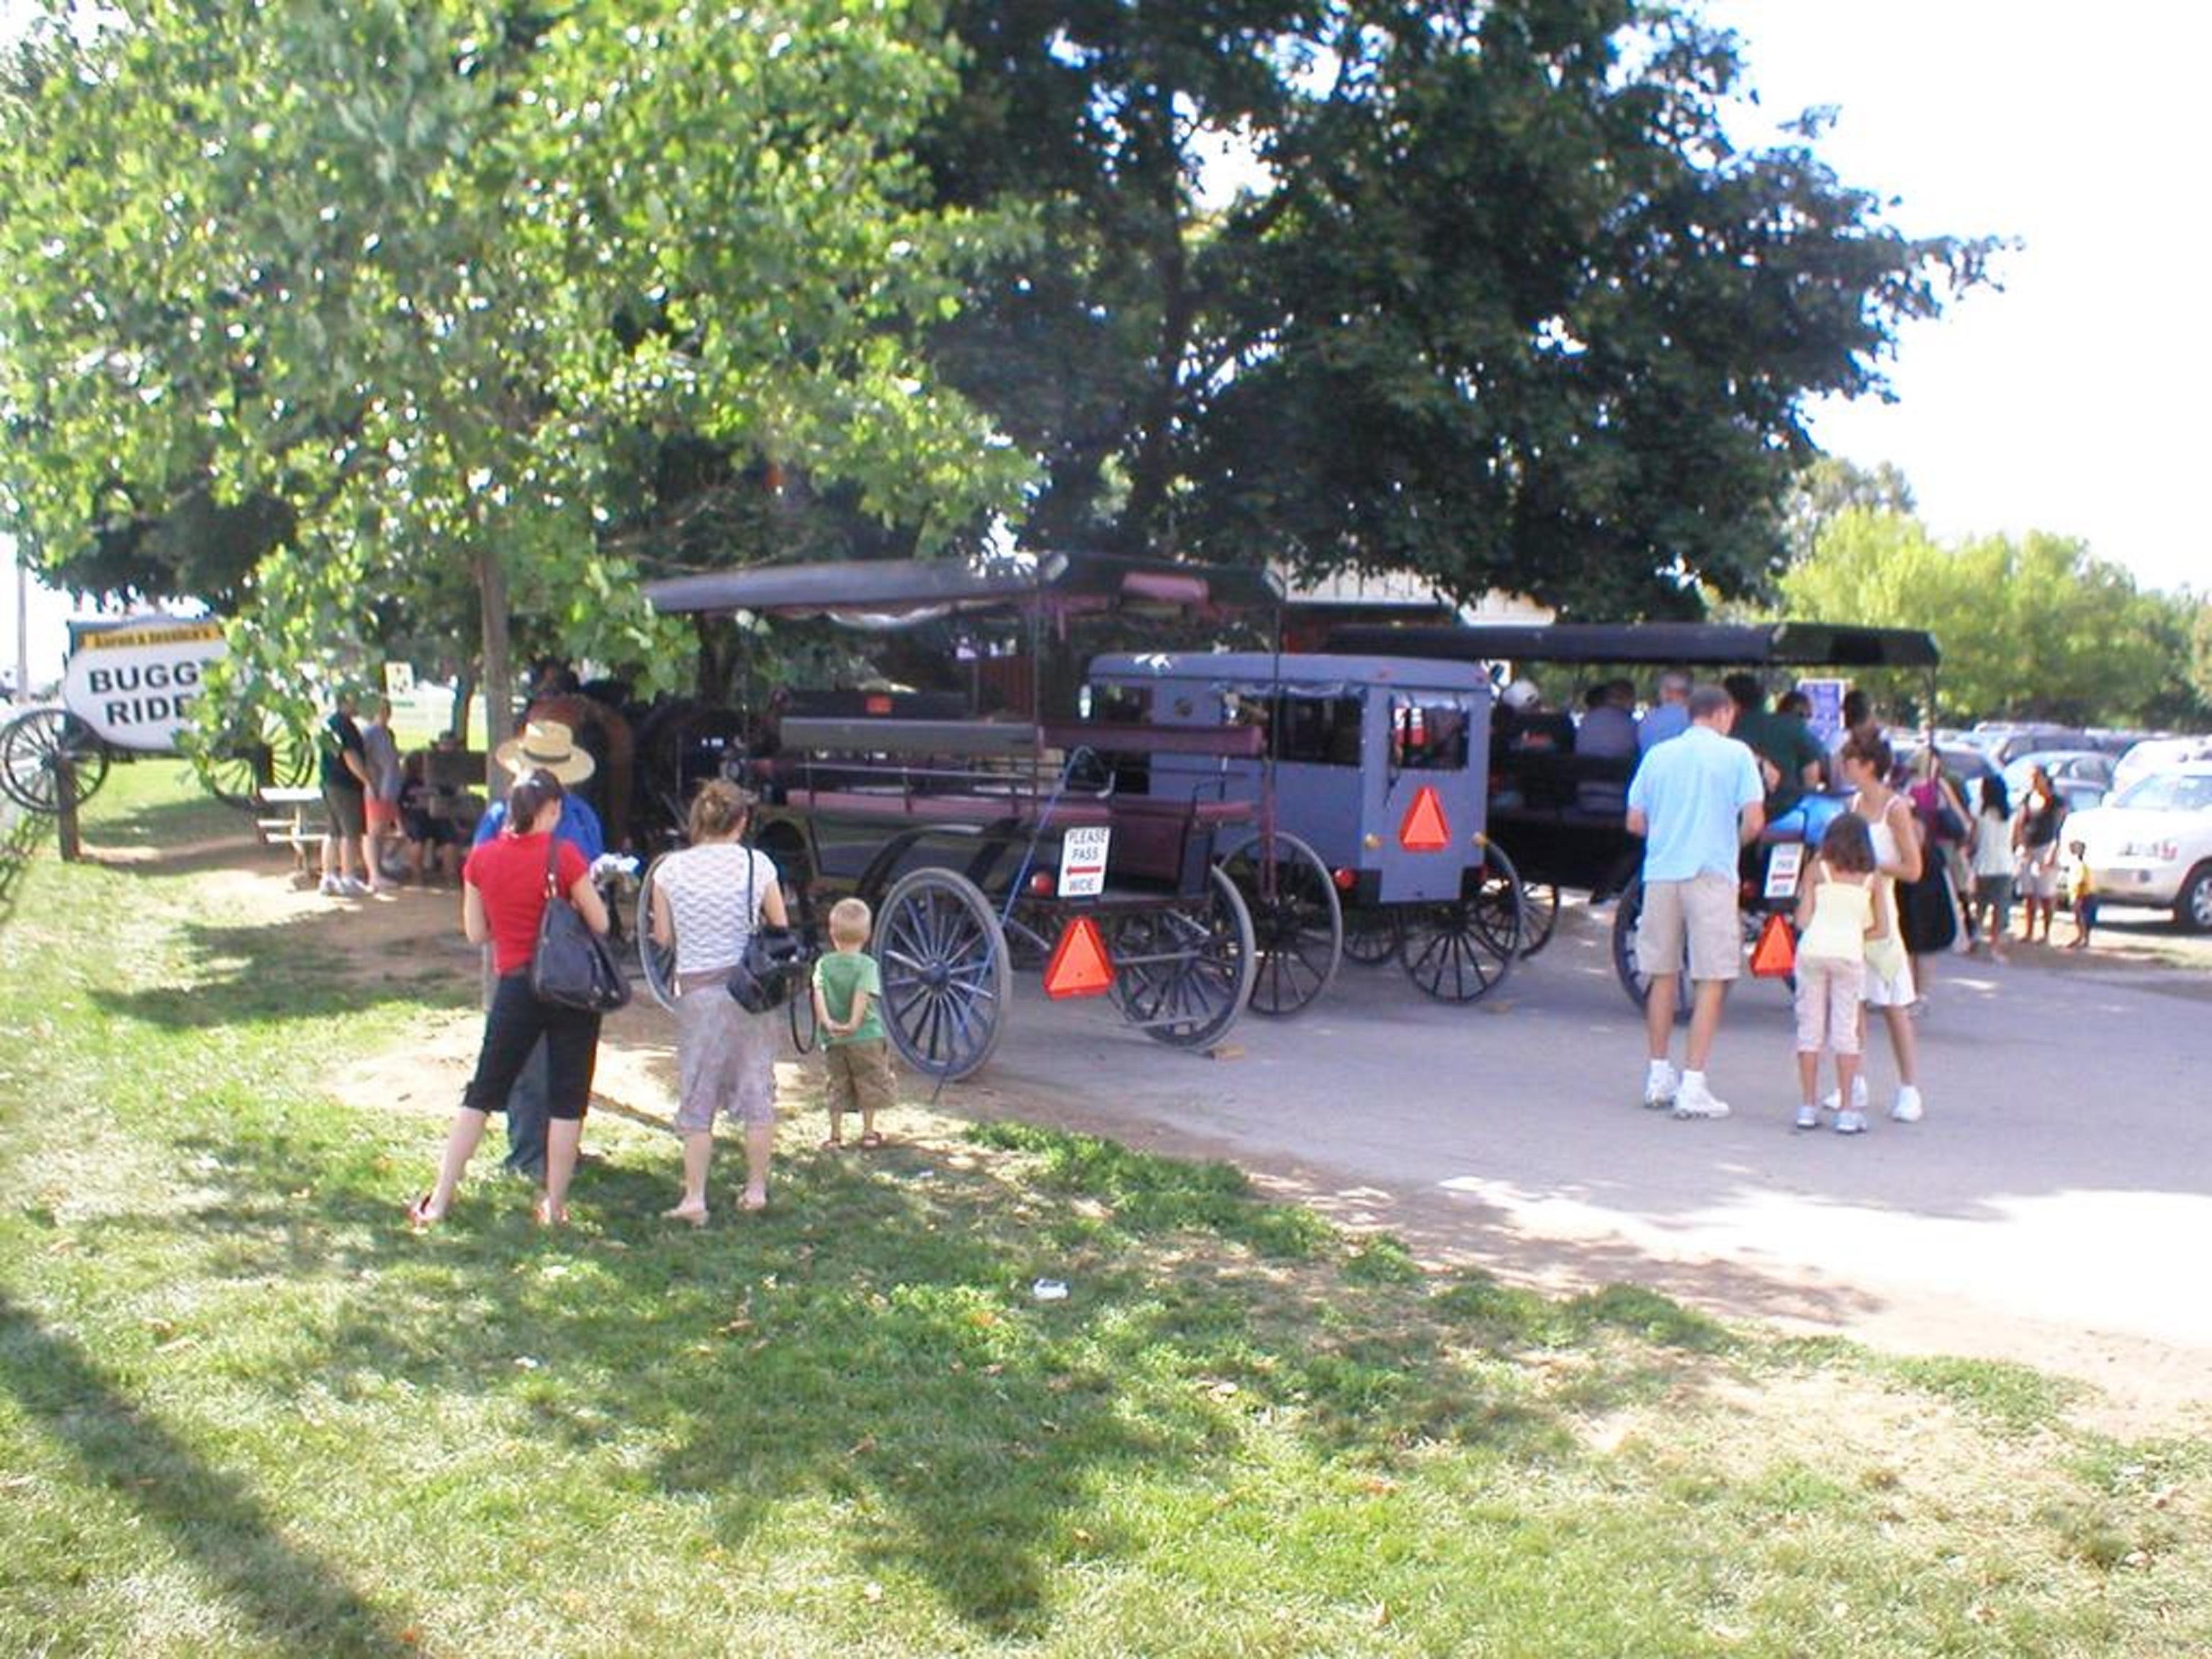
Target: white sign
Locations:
point(1083, 862)
point(1782, 863)
point(135, 685)
point(398, 678)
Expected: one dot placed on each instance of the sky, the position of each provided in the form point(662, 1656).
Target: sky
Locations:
point(2071, 401)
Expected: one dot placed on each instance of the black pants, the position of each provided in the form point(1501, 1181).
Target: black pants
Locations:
point(513, 1026)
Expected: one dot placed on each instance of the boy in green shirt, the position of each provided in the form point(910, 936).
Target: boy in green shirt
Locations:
point(846, 985)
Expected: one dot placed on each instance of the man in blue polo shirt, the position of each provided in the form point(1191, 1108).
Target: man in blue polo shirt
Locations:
point(1697, 800)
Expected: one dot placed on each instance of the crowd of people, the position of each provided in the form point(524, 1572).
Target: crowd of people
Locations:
point(1899, 870)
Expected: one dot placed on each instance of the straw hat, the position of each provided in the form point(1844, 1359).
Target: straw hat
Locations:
point(550, 746)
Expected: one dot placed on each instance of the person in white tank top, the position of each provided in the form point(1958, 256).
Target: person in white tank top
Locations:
point(1865, 762)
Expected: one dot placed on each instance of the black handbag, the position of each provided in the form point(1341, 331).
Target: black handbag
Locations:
point(773, 962)
point(573, 966)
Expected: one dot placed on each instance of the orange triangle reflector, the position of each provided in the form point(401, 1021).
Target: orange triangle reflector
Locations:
point(1775, 956)
point(1079, 966)
point(1424, 829)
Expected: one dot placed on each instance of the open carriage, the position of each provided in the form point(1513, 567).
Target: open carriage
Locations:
point(1563, 815)
point(128, 687)
point(1367, 795)
point(981, 821)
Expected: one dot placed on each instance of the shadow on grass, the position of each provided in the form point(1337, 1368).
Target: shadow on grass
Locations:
point(873, 1340)
point(25, 830)
point(255, 974)
point(299, 1602)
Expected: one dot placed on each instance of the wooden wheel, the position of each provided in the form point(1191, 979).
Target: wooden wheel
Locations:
point(947, 981)
point(1372, 937)
point(1540, 915)
point(1183, 970)
point(239, 769)
point(1462, 951)
point(37, 749)
point(657, 961)
point(1298, 923)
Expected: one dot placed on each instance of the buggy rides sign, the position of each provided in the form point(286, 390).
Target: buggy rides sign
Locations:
point(135, 681)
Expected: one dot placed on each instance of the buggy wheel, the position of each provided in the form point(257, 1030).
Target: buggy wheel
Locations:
point(1627, 970)
point(947, 981)
point(240, 769)
point(804, 1027)
point(33, 748)
point(1373, 937)
point(659, 961)
point(1183, 970)
point(1462, 951)
point(1297, 924)
point(1540, 915)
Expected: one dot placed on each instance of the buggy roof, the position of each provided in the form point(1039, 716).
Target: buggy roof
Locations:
point(1787, 644)
point(890, 592)
point(1310, 673)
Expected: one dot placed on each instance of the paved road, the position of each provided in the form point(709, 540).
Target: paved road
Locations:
point(2055, 1206)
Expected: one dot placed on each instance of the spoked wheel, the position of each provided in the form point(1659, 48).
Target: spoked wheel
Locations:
point(239, 769)
point(1540, 915)
point(657, 961)
point(1462, 951)
point(947, 981)
point(1372, 937)
point(37, 749)
point(1183, 971)
point(803, 1028)
point(1297, 924)
point(1634, 979)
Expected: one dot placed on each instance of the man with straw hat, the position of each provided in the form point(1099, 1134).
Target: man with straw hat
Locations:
point(541, 746)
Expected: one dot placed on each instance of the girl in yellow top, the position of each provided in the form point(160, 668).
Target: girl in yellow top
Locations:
point(1844, 917)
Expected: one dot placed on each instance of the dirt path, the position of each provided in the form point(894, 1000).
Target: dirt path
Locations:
point(1517, 1172)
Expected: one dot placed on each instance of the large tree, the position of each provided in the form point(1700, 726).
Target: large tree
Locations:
point(1499, 301)
point(421, 286)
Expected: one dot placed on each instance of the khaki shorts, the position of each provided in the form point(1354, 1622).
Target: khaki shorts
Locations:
point(1702, 910)
point(860, 1077)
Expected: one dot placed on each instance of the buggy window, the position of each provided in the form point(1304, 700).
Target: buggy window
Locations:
point(1428, 734)
point(1116, 704)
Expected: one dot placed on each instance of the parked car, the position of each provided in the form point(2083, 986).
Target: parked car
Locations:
point(2151, 844)
point(1963, 762)
point(2082, 777)
point(2158, 755)
point(2005, 742)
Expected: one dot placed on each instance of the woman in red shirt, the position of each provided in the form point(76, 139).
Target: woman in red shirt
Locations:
point(503, 898)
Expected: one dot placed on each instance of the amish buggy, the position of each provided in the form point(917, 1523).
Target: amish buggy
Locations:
point(981, 817)
point(1368, 796)
point(1563, 815)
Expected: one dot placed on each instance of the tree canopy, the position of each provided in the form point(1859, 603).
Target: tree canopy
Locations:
point(367, 318)
point(434, 280)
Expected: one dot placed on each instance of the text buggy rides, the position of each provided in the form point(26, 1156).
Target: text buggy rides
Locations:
point(1562, 816)
point(979, 834)
point(1368, 802)
point(130, 687)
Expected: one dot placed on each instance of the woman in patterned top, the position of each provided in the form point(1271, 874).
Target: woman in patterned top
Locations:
point(706, 900)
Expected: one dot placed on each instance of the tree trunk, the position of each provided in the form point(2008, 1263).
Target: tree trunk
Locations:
point(498, 673)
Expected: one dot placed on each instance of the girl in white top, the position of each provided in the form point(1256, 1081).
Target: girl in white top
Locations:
point(1993, 865)
point(1866, 763)
point(706, 900)
point(1841, 907)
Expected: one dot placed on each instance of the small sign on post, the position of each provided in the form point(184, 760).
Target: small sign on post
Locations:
point(1082, 861)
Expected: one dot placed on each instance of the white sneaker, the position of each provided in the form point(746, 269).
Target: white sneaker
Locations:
point(1696, 1100)
point(1661, 1086)
point(1850, 1123)
point(331, 888)
point(1907, 1109)
point(1833, 1099)
point(1808, 1116)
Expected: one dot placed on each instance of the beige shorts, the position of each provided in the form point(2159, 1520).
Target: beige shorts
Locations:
point(860, 1077)
point(1702, 911)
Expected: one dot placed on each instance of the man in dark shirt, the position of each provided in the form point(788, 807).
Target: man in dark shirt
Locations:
point(345, 784)
point(1790, 757)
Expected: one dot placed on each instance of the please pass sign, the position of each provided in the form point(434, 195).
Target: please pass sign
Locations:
point(1083, 862)
point(135, 685)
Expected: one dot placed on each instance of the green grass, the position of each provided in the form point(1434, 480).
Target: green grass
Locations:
point(242, 1412)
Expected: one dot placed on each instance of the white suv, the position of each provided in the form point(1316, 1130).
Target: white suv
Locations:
point(2151, 844)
